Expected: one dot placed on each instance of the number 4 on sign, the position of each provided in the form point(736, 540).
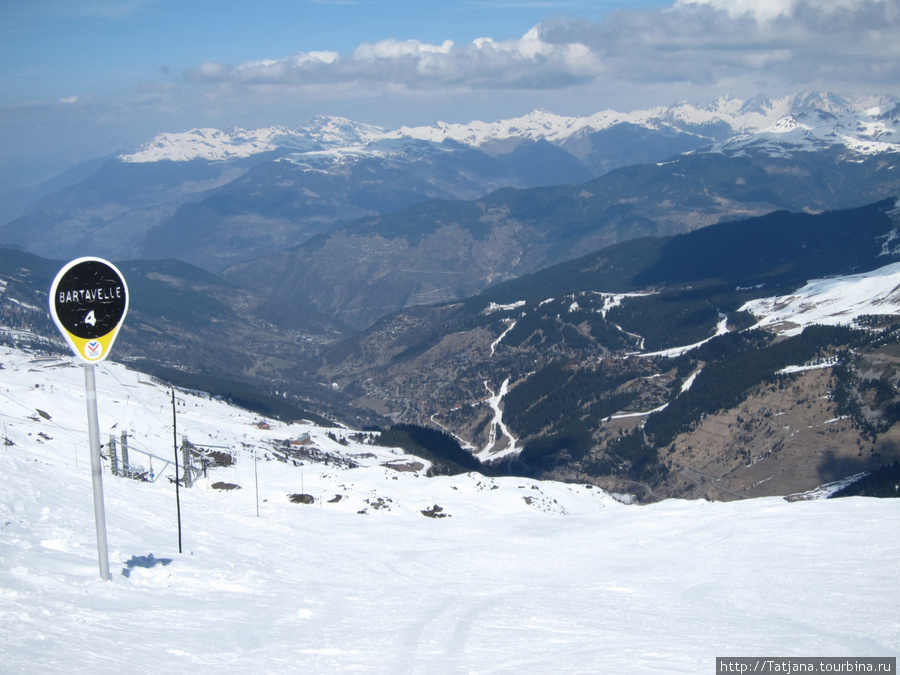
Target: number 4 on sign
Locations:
point(90, 318)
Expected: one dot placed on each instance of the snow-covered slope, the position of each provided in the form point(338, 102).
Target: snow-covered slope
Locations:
point(832, 302)
point(520, 576)
point(44, 406)
point(807, 119)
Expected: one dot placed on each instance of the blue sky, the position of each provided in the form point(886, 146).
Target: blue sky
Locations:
point(80, 78)
point(52, 48)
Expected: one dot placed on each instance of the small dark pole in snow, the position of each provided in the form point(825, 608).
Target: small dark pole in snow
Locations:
point(175, 443)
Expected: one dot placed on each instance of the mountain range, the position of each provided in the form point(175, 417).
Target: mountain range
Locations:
point(534, 324)
point(427, 214)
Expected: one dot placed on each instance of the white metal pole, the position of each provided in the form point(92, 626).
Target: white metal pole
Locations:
point(90, 387)
point(177, 477)
point(256, 481)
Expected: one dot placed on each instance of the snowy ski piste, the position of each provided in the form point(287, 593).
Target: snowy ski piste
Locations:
point(518, 576)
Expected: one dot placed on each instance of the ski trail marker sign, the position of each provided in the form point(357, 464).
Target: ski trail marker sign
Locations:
point(88, 302)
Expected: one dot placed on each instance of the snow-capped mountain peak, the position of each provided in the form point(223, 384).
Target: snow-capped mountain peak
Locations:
point(234, 142)
point(809, 121)
point(729, 122)
point(213, 144)
point(330, 130)
point(787, 124)
point(811, 101)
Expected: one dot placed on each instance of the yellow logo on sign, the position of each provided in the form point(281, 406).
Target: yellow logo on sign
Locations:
point(92, 350)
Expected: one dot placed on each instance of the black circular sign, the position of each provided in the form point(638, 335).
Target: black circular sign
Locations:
point(90, 299)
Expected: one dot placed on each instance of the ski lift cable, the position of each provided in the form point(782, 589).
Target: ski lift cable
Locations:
point(109, 371)
point(55, 425)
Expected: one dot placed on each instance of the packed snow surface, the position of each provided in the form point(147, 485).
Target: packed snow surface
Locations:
point(520, 576)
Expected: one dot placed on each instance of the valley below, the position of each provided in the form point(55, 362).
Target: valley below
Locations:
point(547, 297)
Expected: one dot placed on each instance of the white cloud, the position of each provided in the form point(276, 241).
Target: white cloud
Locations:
point(208, 71)
point(392, 49)
point(763, 44)
point(767, 10)
point(528, 62)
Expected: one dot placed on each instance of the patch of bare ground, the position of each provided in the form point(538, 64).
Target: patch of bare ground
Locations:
point(785, 437)
point(374, 403)
point(404, 466)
